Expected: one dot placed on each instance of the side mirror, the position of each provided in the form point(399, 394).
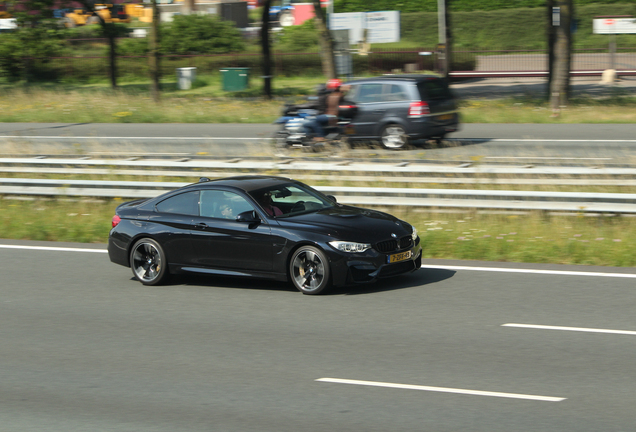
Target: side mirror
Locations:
point(332, 198)
point(249, 216)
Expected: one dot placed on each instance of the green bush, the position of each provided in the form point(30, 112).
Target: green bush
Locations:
point(25, 53)
point(200, 34)
point(94, 31)
point(406, 6)
point(132, 46)
point(299, 38)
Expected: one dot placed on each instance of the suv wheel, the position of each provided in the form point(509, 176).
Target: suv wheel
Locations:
point(394, 137)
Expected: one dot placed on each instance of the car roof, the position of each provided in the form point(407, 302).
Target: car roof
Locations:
point(402, 77)
point(246, 183)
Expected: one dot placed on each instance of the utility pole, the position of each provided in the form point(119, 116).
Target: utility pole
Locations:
point(562, 12)
point(445, 38)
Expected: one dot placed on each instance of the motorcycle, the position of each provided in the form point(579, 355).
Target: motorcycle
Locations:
point(293, 132)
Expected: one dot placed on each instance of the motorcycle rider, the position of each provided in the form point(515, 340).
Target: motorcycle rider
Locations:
point(330, 104)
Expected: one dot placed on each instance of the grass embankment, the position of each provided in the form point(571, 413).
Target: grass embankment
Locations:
point(531, 238)
point(209, 104)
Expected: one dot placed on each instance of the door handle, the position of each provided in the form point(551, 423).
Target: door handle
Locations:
point(201, 225)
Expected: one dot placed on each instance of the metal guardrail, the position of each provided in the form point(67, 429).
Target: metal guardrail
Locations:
point(430, 198)
point(347, 170)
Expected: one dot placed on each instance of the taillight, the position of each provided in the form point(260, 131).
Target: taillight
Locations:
point(418, 109)
point(116, 220)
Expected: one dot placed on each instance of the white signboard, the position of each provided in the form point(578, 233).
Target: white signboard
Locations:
point(352, 21)
point(7, 24)
point(614, 25)
point(381, 27)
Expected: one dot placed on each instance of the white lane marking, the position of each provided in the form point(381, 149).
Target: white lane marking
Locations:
point(442, 389)
point(575, 329)
point(50, 248)
point(131, 138)
point(545, 157)
point(266, 138)
point(531, 271)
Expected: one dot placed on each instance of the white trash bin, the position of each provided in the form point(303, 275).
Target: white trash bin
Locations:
point(185, 77)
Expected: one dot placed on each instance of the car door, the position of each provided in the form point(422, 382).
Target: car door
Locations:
point(171, 224)
point(368, 99)
point(221, 242)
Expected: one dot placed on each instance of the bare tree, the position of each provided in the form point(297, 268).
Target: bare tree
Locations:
point(154, 55)
point(326, 41)
point(561, 19)
point(265, 47)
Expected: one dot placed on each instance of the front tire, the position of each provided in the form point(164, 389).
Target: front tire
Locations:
point(393, 137)
point(309, 270)
point(148, 262)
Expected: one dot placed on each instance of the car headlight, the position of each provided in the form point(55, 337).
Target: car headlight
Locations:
point(414, 233)
point(350, 247)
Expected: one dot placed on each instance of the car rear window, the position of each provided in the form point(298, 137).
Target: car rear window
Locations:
point(434, 88)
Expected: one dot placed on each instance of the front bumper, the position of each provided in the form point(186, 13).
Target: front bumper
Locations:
point(360, 268)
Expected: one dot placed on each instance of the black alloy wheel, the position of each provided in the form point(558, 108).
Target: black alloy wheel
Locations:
point(309, 270)
point(148, 262)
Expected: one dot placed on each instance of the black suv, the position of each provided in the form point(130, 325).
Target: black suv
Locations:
point(397, 108)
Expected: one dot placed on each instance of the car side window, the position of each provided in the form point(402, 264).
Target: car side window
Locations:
point(186, 203)
point(394, 93)
point(222, 204)
point(368, 93)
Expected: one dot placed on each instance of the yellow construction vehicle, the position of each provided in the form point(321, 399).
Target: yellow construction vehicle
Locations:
point(110, 13)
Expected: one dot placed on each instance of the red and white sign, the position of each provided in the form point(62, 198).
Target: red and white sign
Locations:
point(614, 25)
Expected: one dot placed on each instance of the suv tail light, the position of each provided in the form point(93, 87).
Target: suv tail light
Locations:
point(418, 109)
point(116, 220)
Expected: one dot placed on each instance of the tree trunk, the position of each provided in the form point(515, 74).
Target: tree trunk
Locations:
point(154, 56)
point(190, 7)
point(326, 41)
point(551, 34)
point(449, 41)
point(113, 53)
point(560, 85)
point(110, 32)
point(265, 46)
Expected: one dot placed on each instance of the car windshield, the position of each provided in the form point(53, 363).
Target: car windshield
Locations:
point(290, 200)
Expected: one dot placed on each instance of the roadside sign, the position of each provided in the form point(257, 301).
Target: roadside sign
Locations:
point(382, 26)
point(614, 25)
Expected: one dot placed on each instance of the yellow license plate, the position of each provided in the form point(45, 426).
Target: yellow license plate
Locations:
point(445, 117)
point(399, 257)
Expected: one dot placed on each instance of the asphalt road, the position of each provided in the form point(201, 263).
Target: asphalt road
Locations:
point(603, 143)
point(86, 348)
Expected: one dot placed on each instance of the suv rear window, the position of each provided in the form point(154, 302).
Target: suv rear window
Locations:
point(434, 88)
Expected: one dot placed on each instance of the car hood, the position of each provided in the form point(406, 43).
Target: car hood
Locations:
point(351, 224)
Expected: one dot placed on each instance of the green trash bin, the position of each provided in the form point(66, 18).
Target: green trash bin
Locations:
point(237, 78)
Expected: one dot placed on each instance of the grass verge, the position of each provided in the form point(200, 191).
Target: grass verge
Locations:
point(533, 238)
point(208, 103)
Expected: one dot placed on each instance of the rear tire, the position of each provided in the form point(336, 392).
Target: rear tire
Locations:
point(148, 262)
point(393, 137)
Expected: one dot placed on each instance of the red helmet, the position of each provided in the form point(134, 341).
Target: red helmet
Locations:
point(334, 83)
